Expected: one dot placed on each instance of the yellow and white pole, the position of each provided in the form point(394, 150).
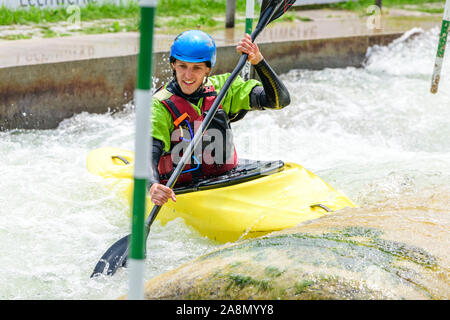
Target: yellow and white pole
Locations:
point(441, 49)
point(143, 102)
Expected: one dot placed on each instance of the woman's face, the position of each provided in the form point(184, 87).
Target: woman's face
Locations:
point(190, 75)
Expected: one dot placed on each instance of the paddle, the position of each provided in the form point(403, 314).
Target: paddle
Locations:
point(116, 256)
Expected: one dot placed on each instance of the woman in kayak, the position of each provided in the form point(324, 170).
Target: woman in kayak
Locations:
point(179, 107)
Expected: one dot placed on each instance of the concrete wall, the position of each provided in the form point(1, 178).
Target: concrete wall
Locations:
point(41, 96)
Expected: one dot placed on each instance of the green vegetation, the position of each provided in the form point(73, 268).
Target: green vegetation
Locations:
point(172, 16)
point(301, 287)
point(244, 281)
point(91, 12)
point(273, 272)
point(176, 8)
point(203, 11)
point(129, 9)
point(418, 5)
point(15, 37)
point(191, 22)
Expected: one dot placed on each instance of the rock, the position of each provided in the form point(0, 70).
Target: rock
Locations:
point(391, 252)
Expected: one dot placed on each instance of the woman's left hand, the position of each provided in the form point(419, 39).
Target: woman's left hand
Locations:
point(247, 46)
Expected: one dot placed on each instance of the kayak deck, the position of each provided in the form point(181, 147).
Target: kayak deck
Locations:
point(256, 198)
point(245, 170)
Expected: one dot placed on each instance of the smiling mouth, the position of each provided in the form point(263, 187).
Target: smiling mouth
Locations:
point(188, 82)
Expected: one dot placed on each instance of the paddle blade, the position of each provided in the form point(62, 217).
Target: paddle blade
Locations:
point(280, 7)
point(114, 258)
point(271, 10)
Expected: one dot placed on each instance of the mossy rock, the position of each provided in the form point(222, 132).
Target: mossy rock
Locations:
point(365, 253)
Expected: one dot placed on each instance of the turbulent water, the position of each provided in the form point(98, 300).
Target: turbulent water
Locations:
point(375, 133)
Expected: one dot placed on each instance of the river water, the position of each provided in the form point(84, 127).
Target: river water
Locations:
point(375, 133)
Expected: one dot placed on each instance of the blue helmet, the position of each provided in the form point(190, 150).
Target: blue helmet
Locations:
point(194, 46)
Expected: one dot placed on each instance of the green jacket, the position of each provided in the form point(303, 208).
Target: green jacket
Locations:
point(236, 99)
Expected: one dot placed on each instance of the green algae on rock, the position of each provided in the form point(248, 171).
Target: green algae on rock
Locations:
point(366, 253)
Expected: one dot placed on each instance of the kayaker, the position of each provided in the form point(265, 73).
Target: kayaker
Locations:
point(181, 104)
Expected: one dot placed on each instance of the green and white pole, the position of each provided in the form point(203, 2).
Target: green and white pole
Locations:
point(143, 102)
point(441, 48)
point(249, 13)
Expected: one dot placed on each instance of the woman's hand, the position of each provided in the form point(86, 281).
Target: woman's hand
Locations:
point(247, 46)
point(160, 194)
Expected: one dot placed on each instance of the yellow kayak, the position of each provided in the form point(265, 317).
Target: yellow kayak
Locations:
point(256, 198)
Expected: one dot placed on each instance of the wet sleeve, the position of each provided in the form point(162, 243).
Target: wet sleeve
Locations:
point(238, 95)
point(162, 125)
point(273, 94)
point(156, 151)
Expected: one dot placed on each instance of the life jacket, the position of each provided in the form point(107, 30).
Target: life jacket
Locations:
point(214, 155)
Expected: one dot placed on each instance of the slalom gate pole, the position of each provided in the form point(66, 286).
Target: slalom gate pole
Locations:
point(249, 13)
point(441, 48)
point(143, 99)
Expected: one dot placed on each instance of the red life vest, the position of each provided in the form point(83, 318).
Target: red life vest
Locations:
point(186, 121)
